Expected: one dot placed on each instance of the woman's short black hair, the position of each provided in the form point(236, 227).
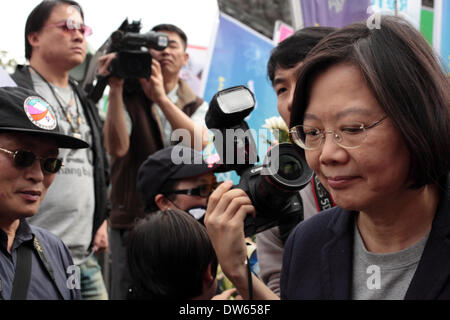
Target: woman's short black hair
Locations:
point(168, 254)
point(40, 14)
point(408, 81)
point(288, 53)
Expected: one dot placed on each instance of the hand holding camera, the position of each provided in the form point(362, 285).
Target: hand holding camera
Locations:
point(103, 70)
point(273, 186)
point(224, 220)
point(154, 86)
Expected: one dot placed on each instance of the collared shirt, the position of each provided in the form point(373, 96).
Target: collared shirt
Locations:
point(41, 287)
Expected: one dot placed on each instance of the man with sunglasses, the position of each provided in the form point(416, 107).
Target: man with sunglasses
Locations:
point(34, 264)
point(75, 209)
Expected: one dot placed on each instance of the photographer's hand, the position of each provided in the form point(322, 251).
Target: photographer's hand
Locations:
point(154, 86)
point(224, 221)
point(103, 70)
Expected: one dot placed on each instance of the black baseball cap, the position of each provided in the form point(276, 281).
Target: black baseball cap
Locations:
point(171, 163)
point(23, 110)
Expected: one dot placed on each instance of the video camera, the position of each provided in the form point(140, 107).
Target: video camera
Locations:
point(273, 186)
point(132, 60)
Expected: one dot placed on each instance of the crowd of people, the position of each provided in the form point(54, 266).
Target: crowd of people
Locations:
point(368, 109)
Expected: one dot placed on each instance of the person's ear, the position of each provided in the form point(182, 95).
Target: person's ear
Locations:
point(209, 285)
point(33, 39)
point(162, 202)
point(186, 58)
point(208, 276)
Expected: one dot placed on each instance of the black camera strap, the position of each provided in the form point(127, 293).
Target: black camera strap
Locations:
point(250, 281)
point(22, 274)
point(287, 222)
point(322, 198)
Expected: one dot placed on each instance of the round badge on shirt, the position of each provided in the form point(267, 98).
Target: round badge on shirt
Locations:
point(40, 113)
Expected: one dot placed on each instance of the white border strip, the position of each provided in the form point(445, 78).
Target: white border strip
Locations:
point(297, 14)
point(437, 27)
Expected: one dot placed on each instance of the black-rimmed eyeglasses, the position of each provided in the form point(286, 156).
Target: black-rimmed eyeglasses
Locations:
point(203, 190)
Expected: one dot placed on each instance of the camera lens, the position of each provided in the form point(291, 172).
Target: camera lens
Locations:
point(290, 167)
point(285, 168)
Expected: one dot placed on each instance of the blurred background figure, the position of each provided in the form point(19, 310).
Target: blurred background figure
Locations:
point(142, 114)
point(284, 64)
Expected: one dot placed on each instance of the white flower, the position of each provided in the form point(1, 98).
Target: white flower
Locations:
point(278, 129)
point(275, 123)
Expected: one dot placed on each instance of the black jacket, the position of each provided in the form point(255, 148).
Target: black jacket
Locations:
point(318, 257)
point(22, 77)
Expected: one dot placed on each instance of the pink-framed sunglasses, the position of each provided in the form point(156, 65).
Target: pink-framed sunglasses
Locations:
point(70, 26)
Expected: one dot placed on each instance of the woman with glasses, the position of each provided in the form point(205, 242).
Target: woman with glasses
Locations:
point(371, 115)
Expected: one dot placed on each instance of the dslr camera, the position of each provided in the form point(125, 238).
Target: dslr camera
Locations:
point(273, 186)
point(131, 61)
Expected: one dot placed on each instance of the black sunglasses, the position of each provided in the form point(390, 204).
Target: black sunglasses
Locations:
point(203, 190)
point(24, 159)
